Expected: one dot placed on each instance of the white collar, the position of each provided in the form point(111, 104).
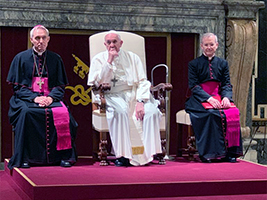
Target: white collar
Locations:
point(39, 53)
point(209, 58)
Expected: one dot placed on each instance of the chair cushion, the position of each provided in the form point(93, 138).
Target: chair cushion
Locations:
point(183, 117)
point(99, 121)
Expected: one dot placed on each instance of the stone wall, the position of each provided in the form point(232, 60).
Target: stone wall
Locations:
point(180, 16)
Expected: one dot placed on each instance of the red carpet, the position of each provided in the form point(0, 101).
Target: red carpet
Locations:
point(88, 180)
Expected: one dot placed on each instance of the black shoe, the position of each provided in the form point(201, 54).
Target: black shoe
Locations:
point(65, 163)
point(118, 163)
point(25, 165)
point(232, 160)
point(205, 160)
point(122, 162)
point(229, 159)
point(125, 161)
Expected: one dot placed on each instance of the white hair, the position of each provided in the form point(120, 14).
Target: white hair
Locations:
point(113, 32)
point(205, 35)
point(37, 27)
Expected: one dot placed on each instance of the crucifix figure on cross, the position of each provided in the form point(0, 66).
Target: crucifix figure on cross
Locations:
point(40, 83)
point(114, 80)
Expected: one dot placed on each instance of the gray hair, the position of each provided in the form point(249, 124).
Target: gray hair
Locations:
point(205, 35)
point(37, 27)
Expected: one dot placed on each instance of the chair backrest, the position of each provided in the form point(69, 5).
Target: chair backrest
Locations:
point(131, 42)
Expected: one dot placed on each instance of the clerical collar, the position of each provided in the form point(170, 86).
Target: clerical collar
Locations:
point(36, 52)
point(209, 58)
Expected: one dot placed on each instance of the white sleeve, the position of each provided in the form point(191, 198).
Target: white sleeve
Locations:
point(100, 71)
point(143, 90)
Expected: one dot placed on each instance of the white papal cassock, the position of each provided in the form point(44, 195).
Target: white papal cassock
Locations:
point(131, 138)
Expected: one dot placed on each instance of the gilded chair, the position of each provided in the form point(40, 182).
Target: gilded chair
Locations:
point(135, 43)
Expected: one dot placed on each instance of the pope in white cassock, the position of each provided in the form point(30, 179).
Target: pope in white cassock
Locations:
point(132, 112)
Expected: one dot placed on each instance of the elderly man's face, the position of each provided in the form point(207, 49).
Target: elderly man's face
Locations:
point(40, 40)
point(209, 46)
point(113, 42)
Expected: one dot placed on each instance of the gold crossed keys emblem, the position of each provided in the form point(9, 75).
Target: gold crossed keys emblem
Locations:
point(80, 95)
point(81, 68)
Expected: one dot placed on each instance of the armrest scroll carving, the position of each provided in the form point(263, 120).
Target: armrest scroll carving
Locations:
point(160, 89)
point(102, 89)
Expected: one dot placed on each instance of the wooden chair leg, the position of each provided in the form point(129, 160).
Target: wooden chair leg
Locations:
point(160, 156)
point(163, 154)
point(103, 153)
point(190, 149)
point(180, 140)
point(191, 144)
point(96, 140)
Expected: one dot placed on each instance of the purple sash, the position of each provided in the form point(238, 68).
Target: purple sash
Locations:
point(231, 114)
point(233, 127)
point(60, 115)
point(61, 122)
point(211, 87)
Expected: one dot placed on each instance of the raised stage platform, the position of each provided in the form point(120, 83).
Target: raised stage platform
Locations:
point(186, 180)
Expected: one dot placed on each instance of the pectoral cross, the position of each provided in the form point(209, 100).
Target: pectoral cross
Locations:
point(114, 80)
point(40, 83)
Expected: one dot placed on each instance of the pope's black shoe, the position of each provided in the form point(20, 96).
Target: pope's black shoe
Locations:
point(64, 163)
point(25, 165)
point(122, 162)
point(125, 161)
point(118, 163)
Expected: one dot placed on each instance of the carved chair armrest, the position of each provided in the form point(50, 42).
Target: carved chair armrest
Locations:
point(160, 89)
point(101, 89)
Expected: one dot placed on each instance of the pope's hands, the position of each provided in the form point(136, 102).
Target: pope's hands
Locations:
point(139, 111)
point(43, 101)
point(112, 54)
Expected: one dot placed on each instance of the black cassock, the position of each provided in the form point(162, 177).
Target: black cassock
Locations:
point(209, 124)
point(35, 133)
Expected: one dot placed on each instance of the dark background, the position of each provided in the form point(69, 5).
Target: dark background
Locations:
point(261, 81)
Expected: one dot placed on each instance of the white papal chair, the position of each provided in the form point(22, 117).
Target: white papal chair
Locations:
point(135, 43)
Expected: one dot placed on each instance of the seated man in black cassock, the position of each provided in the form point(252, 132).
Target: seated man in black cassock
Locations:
point(214, 117)
point(44, 128)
